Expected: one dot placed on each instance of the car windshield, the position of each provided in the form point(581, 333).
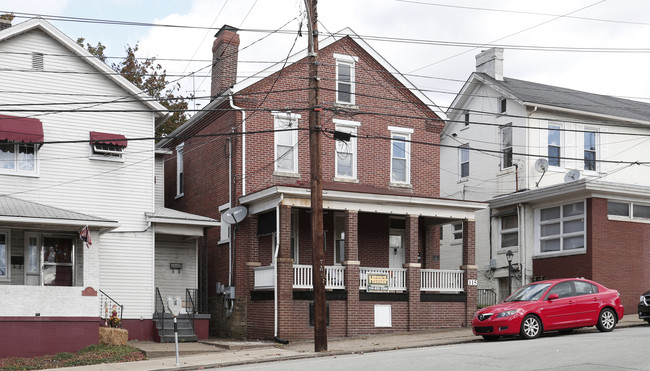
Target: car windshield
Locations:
point(530, 292)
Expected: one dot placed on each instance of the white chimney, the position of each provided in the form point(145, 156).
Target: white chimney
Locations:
point(490, 62)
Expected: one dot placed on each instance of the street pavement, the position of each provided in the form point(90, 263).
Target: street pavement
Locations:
point(222, 352)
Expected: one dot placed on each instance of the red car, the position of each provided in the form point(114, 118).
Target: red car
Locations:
point(561, 304)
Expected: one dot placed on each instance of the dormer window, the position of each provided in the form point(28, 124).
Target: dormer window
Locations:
point(106, 146)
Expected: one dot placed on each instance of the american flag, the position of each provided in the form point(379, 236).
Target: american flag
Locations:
point(85, 236)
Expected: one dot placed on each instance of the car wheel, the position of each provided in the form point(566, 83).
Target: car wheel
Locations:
point(531, 327)
point(490, 337)
point(606, 320)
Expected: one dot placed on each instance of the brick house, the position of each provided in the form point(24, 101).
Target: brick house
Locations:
point(381, 207)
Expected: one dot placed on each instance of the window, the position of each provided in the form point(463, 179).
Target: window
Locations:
point(4, 254)
point(339, 238)
point(464, 160)
point(180, 178)
point(628, 210)
point(18, 158)
point(584, 288)
point(225, 227)
point(466, 118)
point(294, 235)
point(345, 76)
point(107, 146)
point(506, 146)
point(58, 261)
point(503, 105)
point(590, 150)
point(286, 142)
point(562, 228)
point(562, 289)
point(457, 230)
point(554, 145)
point(32, 259)
point(509, 228)
point(346, 151)
point(400, 164)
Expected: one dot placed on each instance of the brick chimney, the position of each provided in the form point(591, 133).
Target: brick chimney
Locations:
point(4, 24)
point(225, 51)
point(490, 62)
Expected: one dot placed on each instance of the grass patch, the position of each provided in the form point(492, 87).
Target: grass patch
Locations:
point(90, 355)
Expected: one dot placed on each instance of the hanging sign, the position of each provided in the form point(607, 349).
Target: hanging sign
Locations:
point(377, 282)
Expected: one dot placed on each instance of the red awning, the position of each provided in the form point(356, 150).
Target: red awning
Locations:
point(107, 138)
point(21, 129)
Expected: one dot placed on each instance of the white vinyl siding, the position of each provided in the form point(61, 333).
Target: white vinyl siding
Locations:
point(176, 249)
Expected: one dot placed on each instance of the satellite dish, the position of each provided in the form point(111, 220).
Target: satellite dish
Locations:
point(572, 175)
point(235, 215)
point(541, 165)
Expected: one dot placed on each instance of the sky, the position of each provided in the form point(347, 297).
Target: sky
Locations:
point(598, 46)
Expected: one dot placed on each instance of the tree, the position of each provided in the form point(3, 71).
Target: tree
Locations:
point(7, 16)
point(151, 78)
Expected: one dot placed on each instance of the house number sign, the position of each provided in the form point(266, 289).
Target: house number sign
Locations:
point(471, 283)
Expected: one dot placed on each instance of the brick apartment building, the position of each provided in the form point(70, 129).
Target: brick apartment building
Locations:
point(381, 207)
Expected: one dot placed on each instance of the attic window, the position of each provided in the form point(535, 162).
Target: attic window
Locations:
point(37, 61)
point(503, 105)
point(106, 145)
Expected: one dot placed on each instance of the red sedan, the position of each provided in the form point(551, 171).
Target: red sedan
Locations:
point(561, 304)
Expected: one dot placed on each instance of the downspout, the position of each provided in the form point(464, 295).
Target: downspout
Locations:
point(243, 145)
point(275, 272)
point(229, 206)
point(521, 217)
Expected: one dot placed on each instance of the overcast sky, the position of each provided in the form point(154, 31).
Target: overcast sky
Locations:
point(525, 28)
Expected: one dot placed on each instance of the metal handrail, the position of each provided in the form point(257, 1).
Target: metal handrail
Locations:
point(104, 302)
point(190, 304)
point(160, 310)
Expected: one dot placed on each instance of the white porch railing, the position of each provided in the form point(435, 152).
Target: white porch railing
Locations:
point(396, 277)
point(441, 280)
point(264, 277)
point(303, 277)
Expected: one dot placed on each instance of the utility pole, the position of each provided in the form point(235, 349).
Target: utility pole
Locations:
point(318, 263)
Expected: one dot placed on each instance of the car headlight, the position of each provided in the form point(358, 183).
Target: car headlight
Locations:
point(507, 313)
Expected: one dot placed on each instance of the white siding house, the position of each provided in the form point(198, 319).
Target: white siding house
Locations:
point(67, 161)
point(519, 138)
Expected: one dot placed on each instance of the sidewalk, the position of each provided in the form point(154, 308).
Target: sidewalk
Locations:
point(219, 352)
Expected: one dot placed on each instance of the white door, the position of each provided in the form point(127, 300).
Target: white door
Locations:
point(396, 257)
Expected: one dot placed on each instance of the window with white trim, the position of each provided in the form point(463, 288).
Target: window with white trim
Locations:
point(503, 105)
point(107, 150)
point(4, 254)
point(180, 178)
point(562, 228)
point(286, 142)
point(554, 145)
point(346, 151)
point(345, 78)
point(457, 232)
point(630, 210)
point(466, 118)
point(590, 154)
point(505, 132)
point(18, 158)
point(224, 229)
point(509, 231)
point(400, 155)
point(463, 155)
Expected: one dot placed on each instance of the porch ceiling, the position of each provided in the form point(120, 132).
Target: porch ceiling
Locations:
point(364, 202)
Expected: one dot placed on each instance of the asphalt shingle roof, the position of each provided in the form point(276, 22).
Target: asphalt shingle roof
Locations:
point(14, 207)
point(531, 92)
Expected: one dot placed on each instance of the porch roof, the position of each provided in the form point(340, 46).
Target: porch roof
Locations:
point(14, 211)
point(174, 222)
point(364, 202)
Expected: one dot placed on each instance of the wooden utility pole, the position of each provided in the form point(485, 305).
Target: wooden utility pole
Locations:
point(318, 264)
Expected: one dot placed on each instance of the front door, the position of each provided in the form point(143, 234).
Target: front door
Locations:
point(396, 257)
point(49, 260)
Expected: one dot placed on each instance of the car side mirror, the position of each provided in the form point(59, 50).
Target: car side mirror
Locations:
point(553, 296)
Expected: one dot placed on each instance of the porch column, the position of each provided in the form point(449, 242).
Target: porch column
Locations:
point(470, 268)
point(432, 247)
point(253, 254)
point(412, 270)
point(285, 274)
point(351, 263)
point(91, 264)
